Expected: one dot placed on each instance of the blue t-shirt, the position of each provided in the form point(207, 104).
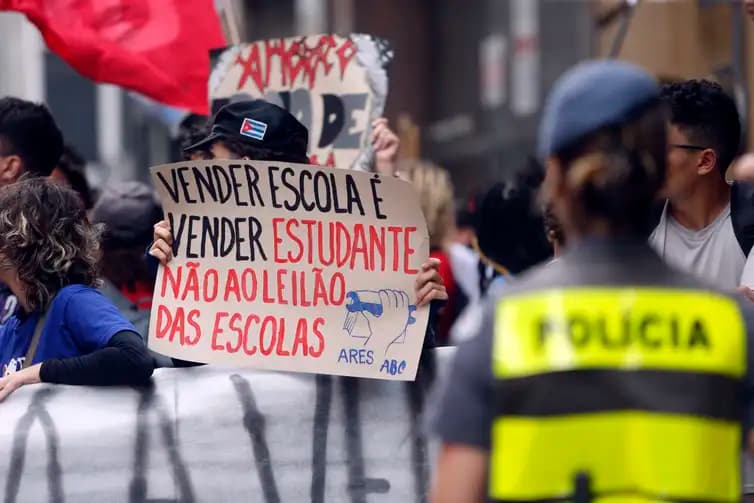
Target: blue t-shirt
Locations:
point(80, 320)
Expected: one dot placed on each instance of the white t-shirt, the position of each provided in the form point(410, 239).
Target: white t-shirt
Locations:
point(464, 264)
point(712, 253)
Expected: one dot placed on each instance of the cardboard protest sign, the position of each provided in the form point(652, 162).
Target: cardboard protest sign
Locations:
point(336, 86)
point(290, 267)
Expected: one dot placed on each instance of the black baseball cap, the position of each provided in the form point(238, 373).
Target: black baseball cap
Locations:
point(260, 124)
point(129, 211)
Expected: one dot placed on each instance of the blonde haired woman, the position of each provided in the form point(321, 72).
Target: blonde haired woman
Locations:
point(435, 191)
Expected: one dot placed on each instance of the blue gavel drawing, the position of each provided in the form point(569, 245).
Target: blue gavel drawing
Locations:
point(354, 304)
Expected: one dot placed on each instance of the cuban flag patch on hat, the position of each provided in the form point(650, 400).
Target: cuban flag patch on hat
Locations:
point(253, 129)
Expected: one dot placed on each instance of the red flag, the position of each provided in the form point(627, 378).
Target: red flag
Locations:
point(159, 48)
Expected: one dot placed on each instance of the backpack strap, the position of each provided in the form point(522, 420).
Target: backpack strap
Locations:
point(654, 216)
point(35, 339)
point(742, 214)
point(37, 334)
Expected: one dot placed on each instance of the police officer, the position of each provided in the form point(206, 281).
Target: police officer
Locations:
point(605, 374)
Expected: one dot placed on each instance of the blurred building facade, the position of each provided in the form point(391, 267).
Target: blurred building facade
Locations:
point(684, 39)
point(470, 75)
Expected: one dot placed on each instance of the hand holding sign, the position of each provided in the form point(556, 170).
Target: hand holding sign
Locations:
point(429, 285)
point(385, 144)
point(162, 245)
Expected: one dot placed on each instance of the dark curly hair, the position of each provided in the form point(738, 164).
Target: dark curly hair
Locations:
point(508, 222)
point(244, 149)
point(47, 239)
point(705, 113)
point(192, 129)
point(28, 130)
point(241, 149)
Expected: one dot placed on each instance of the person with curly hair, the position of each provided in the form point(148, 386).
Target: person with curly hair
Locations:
point(699, 228)
point(192, 129)
point(66, 332)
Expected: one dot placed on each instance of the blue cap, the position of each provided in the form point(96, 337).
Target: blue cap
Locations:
point(590, 96)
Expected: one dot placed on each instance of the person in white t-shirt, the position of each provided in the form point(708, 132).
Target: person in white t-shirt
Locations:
point(697, 232)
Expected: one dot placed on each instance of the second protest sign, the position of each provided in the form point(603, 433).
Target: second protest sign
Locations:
point(290, 267)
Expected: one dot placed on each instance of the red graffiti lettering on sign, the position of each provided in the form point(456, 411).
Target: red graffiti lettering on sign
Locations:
point(295, 59)
point(330, 162)
point(251, 69)
point(345, 53)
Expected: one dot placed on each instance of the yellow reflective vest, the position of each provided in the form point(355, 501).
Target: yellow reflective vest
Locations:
point(636, 389)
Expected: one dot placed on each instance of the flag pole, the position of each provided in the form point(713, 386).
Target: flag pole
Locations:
point(230, 23)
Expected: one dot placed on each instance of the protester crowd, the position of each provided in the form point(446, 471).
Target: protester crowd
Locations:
point(702, 223)
point(602, 370)
point(74, 260)
point(609, 199)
